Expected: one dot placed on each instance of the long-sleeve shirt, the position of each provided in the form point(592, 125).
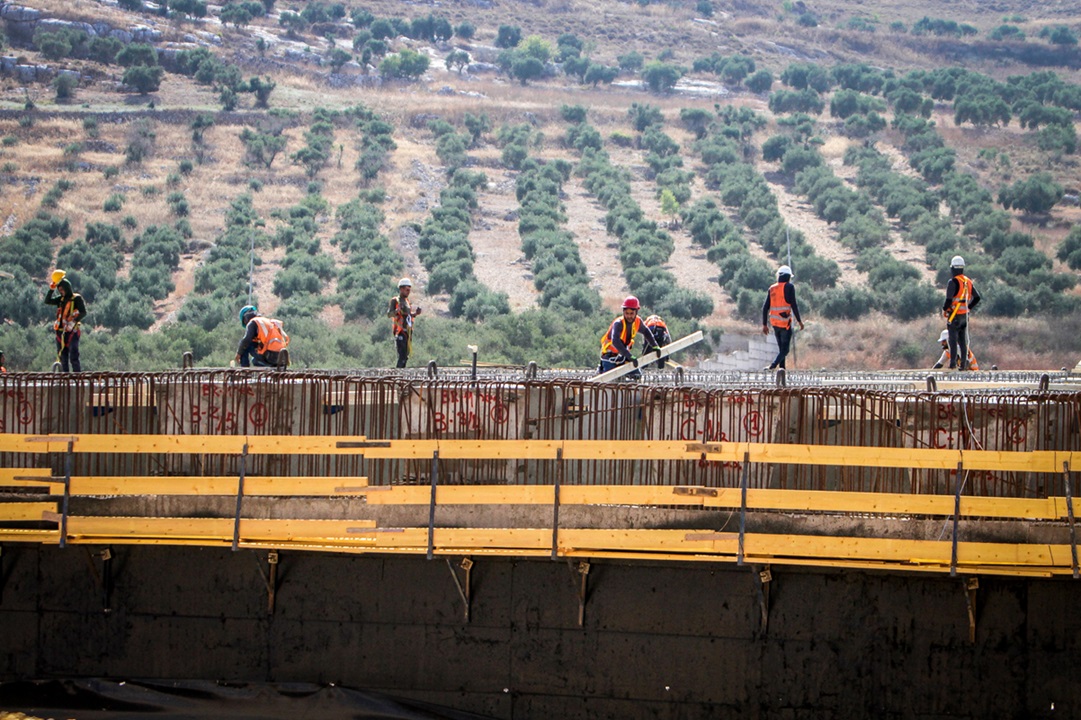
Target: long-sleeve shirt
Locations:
point(57, 299)
point(789, 297)
point(952, 288)
point(249, 337)
point(615, 335)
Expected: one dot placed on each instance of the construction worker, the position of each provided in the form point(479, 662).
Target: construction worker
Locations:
point(944, 341)
point(617, 341)
point(401, 314)
point(657, 326)
point(961, 297)
point(778, 310)
point(70, 311)
point(263, 340)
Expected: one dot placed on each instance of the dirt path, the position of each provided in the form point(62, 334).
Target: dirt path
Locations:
point(599, 250)
point(500, 263)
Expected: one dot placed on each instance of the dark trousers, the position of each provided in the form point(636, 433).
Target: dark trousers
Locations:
point(784, 339)
point(67, 349)
point(958, 341)
point(401, 343)
point(253, 358)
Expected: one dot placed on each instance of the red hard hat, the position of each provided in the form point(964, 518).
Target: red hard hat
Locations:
point(631, 302)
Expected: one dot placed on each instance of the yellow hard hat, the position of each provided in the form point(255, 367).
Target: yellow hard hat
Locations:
point(58, 275)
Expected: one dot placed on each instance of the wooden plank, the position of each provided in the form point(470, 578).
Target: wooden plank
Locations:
point(253, 485)
point(647, 358)
point(8, 475)
point(25, 511)
point(212, 528)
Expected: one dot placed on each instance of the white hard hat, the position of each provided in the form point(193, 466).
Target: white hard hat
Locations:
point(944, 337)
point(405, 282)
point(784, 270)
point(957, 262)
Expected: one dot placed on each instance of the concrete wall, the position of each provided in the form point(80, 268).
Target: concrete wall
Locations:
point(662, 641)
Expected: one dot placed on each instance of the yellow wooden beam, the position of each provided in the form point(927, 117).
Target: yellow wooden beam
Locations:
point(168, 528)
point(774, 453)
point(24, 511)
point(253, 485)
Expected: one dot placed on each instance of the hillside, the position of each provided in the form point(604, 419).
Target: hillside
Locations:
point(877, 145)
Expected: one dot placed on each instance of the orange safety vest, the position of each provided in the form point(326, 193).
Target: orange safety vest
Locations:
point(627, 335)
point(64, 313)
point(960, 300)
point(269, 335)
point(780, 312)
point(403, 321)
point(972, 364)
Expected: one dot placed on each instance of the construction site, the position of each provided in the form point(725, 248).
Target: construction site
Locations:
point(520, 542)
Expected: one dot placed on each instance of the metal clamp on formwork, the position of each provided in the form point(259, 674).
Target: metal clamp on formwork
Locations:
point(743, 505)
point(239, 497)
point(971, 585)
point(762, 580)
point(1070, 517)
point(465, 589)
point(431, 506)
point(959, 484)
point(555, 503)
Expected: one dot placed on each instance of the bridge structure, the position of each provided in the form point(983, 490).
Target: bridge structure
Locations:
point(953, 477)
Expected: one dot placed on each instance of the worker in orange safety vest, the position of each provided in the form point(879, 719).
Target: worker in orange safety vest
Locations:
point(401, 314)
point(70, 311)
point(778, 311)
point(961, 298)
point(617, 341)
point(264, 340)
point(944, 358)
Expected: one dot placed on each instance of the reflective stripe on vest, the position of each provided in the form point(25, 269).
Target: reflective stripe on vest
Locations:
point(269, 336)
point(964, 292)
point(607, 347)
point(64, 311)
point(780, 312)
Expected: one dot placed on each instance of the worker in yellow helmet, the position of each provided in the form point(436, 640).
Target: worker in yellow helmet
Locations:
point(70, 311)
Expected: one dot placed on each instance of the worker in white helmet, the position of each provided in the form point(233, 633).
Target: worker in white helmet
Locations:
point(944, 358)
point(961, 297)
point(778, 311)
point(401, 314)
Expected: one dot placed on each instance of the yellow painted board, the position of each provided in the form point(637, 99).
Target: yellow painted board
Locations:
point(8, 475)
point(213, 527)
point(18, 511)
point(253, 485)
point(29, 536)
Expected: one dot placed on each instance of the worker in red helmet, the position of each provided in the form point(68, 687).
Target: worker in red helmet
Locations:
point(616, 343)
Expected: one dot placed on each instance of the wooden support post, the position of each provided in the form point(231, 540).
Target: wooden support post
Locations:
point(272, 581)
point(239, 497)
point(971, 585)
point(431, 505)
point(743, 505)
point(555, 504)
point(582, 570)
point(956, 517)
point(1070, 516)
point(465, 589)
point(763, 577)
point(107, 580)
point(68, 460)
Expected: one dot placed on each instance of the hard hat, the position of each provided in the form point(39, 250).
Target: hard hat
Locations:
point(784, 270)
point(957, 262)
point(653, 320)
point(405, 282)
point(58, 275)
point(631, 302)
point(247, 310)
point(944, 337)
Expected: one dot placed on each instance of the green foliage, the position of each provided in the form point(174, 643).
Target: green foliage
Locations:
point(407, 64)
point(508, 36)
point(1036, 194)
point(144, 78)
point(1058, 35)
point(113, 203)
point(65, 85)
point(661, 77)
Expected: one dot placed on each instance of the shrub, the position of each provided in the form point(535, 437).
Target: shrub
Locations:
point(113, 203)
